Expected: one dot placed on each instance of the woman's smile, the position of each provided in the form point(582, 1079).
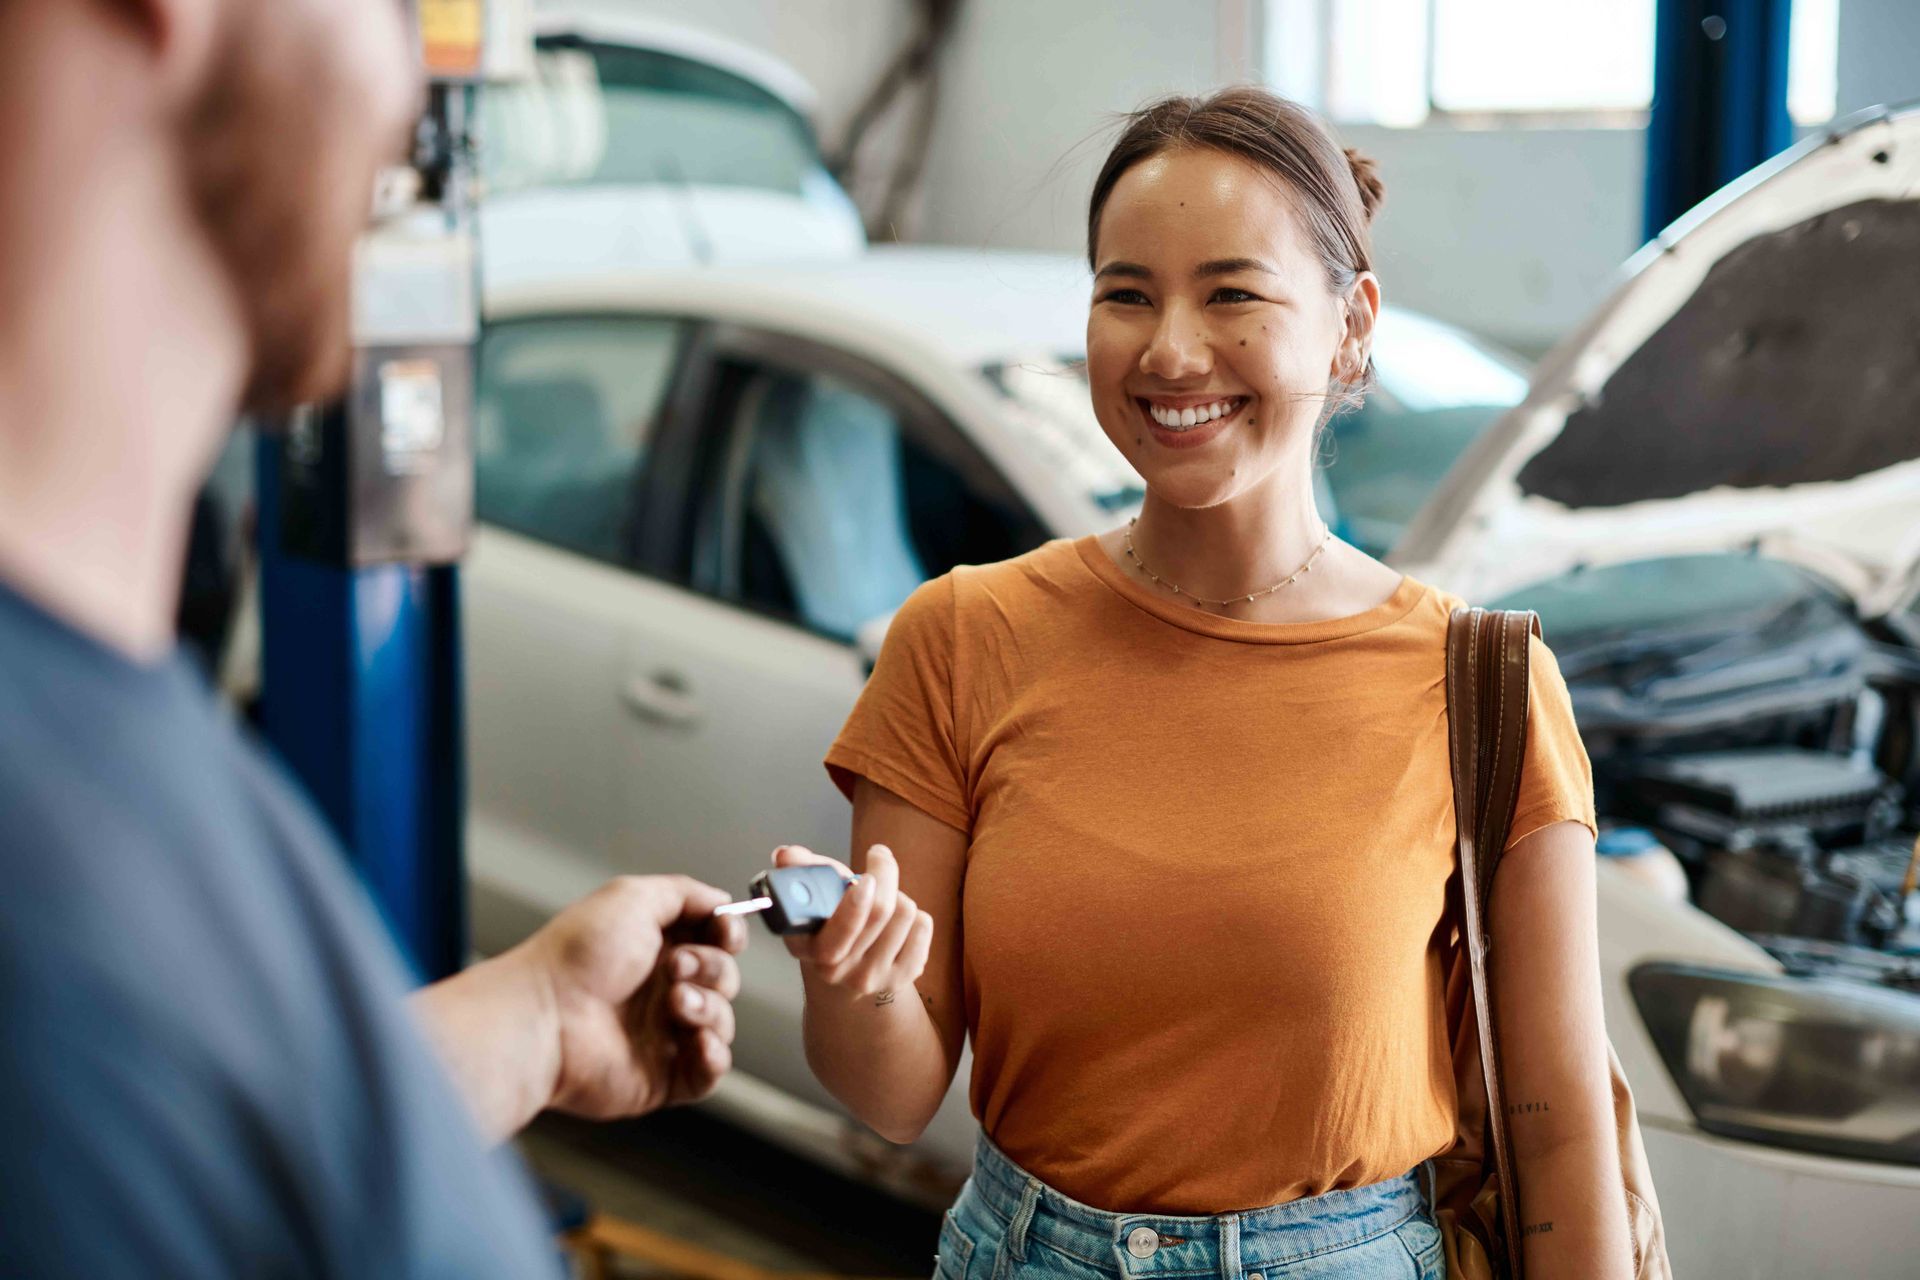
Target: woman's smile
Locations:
point(1187, 422)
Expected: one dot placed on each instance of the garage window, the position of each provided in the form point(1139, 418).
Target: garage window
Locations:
point(566, 409)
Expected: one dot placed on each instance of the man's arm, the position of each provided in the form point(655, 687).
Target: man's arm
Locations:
point(619, 1006)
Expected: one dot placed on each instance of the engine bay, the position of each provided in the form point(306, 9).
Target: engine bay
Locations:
point(1783, 776)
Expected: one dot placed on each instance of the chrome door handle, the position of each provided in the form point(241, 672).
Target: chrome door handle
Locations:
point(663, 698)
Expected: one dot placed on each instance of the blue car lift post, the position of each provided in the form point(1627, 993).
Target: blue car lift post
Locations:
point(362, 698)
point(1719, 99)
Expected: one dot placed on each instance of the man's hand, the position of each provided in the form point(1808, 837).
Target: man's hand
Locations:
point(642, 978)
point(620, 1005)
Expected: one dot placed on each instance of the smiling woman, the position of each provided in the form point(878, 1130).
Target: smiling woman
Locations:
point(1161, 820)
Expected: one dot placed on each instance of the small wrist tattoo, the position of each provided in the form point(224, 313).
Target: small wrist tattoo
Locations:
point(1526, 1108)
point(1536, 1229)
point(884, 998)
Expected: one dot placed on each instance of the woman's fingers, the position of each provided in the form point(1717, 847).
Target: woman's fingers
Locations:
point(793, 855)
point(875, 972)
point(912, 960)
point(885, 874)
point(834, 943)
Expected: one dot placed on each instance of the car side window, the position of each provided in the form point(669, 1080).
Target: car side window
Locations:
point(566, 409)
point(831, 501)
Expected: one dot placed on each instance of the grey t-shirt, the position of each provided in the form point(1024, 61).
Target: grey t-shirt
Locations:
point(206, 1064)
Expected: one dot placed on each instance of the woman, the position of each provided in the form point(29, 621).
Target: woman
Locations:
point(1162, 818)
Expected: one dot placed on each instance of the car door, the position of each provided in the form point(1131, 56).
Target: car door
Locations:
point(822, 492)
point(567, 410)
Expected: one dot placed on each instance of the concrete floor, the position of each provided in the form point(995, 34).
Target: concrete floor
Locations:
point(711, 1185)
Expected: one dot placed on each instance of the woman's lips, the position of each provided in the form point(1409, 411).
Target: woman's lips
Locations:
point(1192, 437)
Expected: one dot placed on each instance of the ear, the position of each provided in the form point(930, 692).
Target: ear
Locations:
point(175, 37)
point(1356, 343)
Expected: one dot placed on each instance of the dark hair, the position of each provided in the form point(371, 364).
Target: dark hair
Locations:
point(1337, 191)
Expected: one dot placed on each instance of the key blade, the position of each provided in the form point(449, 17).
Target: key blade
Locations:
point(747, 908)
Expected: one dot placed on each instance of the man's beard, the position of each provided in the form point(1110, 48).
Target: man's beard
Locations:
point(280, 183)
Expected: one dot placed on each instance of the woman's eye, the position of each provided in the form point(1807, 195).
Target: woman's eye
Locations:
point(1232, 295)
point(1131, 297)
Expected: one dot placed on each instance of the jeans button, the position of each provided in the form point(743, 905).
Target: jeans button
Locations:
point(1142, 1242)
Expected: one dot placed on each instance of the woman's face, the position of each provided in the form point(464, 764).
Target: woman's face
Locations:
point(1213, 333)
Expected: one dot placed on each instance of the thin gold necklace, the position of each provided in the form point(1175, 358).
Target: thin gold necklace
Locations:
point(1326, 536)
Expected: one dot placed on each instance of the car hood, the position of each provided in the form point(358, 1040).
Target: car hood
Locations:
point(1752, 382)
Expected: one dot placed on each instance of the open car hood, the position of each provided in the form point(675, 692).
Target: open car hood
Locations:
point(1752, 382)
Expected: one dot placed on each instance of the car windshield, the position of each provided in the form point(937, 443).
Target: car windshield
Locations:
point(1436, 389)
point(1592, 608)
point(603, 114)
point(1048, 399)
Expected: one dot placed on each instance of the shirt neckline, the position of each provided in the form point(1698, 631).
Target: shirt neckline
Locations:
point(1395, 607)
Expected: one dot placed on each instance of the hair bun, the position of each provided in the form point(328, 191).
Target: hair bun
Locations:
point(1366, 176)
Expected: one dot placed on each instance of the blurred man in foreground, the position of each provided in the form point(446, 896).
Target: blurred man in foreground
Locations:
point(208, 1066)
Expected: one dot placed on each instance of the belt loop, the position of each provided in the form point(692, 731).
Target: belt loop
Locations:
point(1023, 1218)
point(1230, 1246)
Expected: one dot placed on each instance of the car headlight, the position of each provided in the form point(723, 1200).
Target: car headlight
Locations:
point(1816, 1065)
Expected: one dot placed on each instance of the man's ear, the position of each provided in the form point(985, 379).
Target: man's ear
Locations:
point(175, 36)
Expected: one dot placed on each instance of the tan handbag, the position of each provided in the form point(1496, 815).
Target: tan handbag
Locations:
point(1473, 1198)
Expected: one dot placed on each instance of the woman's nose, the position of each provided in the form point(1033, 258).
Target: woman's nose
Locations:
point(1179, 349)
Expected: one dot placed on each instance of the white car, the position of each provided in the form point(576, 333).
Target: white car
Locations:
point(702, 493)
point(641, 143)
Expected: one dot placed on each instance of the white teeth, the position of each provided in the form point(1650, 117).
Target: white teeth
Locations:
point(1181, 419)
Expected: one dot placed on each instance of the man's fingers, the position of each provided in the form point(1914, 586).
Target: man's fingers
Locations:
point(708, 967)
point(703, 1059)
point(699, 1008)
point(666, 900)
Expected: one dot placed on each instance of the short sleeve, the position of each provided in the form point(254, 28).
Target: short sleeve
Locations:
point(1556, 779)
point(901, 734)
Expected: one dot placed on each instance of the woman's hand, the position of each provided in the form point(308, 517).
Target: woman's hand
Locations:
point(878, 939)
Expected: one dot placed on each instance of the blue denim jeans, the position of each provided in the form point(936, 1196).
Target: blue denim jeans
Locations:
point(1008, 1225)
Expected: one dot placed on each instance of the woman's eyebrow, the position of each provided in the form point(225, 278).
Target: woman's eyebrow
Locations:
point(1230, 266)
point(1130, 269)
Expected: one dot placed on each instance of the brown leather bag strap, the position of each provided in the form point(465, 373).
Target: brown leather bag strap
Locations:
point(1487, 660)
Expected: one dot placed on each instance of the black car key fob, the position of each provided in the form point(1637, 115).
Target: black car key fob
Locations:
point(792, 899)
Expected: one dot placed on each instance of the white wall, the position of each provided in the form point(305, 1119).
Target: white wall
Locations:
point(1514, 233)
point(1879, 53)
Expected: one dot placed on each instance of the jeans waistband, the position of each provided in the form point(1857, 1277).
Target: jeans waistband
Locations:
point(1173, 1245)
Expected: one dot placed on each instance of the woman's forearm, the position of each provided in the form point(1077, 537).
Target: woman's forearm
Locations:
point(880, 1055)
point(1573, 1212)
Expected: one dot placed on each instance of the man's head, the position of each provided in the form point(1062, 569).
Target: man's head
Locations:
point(300, 102)
point(268, 120)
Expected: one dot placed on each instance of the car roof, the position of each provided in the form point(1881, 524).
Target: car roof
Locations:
point(970, 307)
point(749, 63)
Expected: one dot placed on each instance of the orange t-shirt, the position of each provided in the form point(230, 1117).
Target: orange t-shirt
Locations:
point(1205, 884)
